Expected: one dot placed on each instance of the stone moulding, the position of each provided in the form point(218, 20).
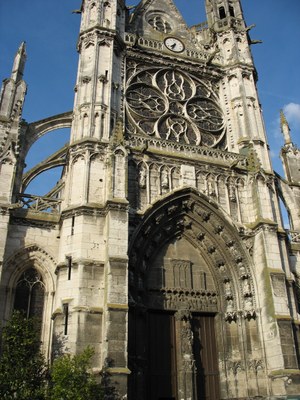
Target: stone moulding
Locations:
point(116, 307)
point(87, 262)
point(186, 151)
point(192, 66)
point(94, 209)
point(41, 220)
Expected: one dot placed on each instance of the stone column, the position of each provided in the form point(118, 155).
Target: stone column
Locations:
point(186, 361)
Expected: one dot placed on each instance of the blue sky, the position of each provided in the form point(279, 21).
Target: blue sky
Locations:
point(51, 30)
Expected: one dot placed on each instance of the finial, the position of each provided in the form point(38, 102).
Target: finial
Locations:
point(285, 129)
point(19, 63)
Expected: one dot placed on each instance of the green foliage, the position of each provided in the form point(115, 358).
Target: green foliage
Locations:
point(22, 366)
point(25, 376)
point(71, 379)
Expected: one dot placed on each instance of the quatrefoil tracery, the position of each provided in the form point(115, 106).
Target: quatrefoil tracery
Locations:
point(173, 105)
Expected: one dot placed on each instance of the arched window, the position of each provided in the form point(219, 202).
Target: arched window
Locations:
point(231, 11)
point(222, 13)
point(30, 294)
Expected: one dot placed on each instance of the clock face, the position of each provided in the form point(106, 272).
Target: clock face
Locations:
point(174, 44)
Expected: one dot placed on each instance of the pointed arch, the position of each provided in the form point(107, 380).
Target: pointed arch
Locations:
point(190, 215)
point(31, 254)
point(32, 260)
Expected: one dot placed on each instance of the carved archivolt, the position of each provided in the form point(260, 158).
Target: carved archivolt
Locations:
point(173, 105)
point(187, 215)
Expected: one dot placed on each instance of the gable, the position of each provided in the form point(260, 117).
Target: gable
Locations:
point(158, 18)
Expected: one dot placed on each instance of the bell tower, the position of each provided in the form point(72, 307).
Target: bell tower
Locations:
point(91, 298)
point(238, 90)
point(222, 10)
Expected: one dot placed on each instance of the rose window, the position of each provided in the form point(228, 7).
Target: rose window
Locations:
point(173, 105)
point(159, 23)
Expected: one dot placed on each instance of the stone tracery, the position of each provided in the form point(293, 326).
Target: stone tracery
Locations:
point(173, 105)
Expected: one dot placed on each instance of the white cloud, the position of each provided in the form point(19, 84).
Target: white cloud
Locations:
point(292, 113)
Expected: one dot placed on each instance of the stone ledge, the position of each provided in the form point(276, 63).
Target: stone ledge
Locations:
point(36, 216)
point(118, 371)
point(282, 373)
point(122, 307)
point(283, 317)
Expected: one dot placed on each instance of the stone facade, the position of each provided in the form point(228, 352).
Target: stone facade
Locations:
point(163, 244)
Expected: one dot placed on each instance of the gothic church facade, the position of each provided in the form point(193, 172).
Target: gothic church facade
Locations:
point(162, 246)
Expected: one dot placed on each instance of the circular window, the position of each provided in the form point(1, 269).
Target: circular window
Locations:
point(158, 22)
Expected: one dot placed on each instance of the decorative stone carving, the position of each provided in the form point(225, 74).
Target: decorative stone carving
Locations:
point(211, 191)
point(211, 249)
point(164, 179)
point(243, 272)
point(158, 22)
point(248, 311)
point(246, 287)
point(103, 79)
point(205, 215)
point(142, 177)
point(235, 367)
point(249, 243)
point(232, 192)
point(221, 266)
point(219, 229)
point(186, 336)
point(228, 290)
point(256, 365)
point(230, 314)
point(174, 105)
point(201, 236)
point(172, 209)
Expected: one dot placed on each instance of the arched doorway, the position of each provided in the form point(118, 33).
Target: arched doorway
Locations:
point(190, 282)
point(175, 333)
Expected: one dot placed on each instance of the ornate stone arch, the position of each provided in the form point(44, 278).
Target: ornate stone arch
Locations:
point(191, 215)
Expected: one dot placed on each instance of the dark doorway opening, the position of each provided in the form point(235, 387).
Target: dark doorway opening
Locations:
point(162, 379)
point(206, 360)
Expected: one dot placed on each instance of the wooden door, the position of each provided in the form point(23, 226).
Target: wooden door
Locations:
point(205, 353)
point(162, 377)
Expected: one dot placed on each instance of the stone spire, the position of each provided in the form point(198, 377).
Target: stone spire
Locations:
point(19, 63)
point(285, 129)
point(14, 89)
point(290, 153)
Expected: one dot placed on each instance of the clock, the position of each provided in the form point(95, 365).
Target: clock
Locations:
point(174, 44)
